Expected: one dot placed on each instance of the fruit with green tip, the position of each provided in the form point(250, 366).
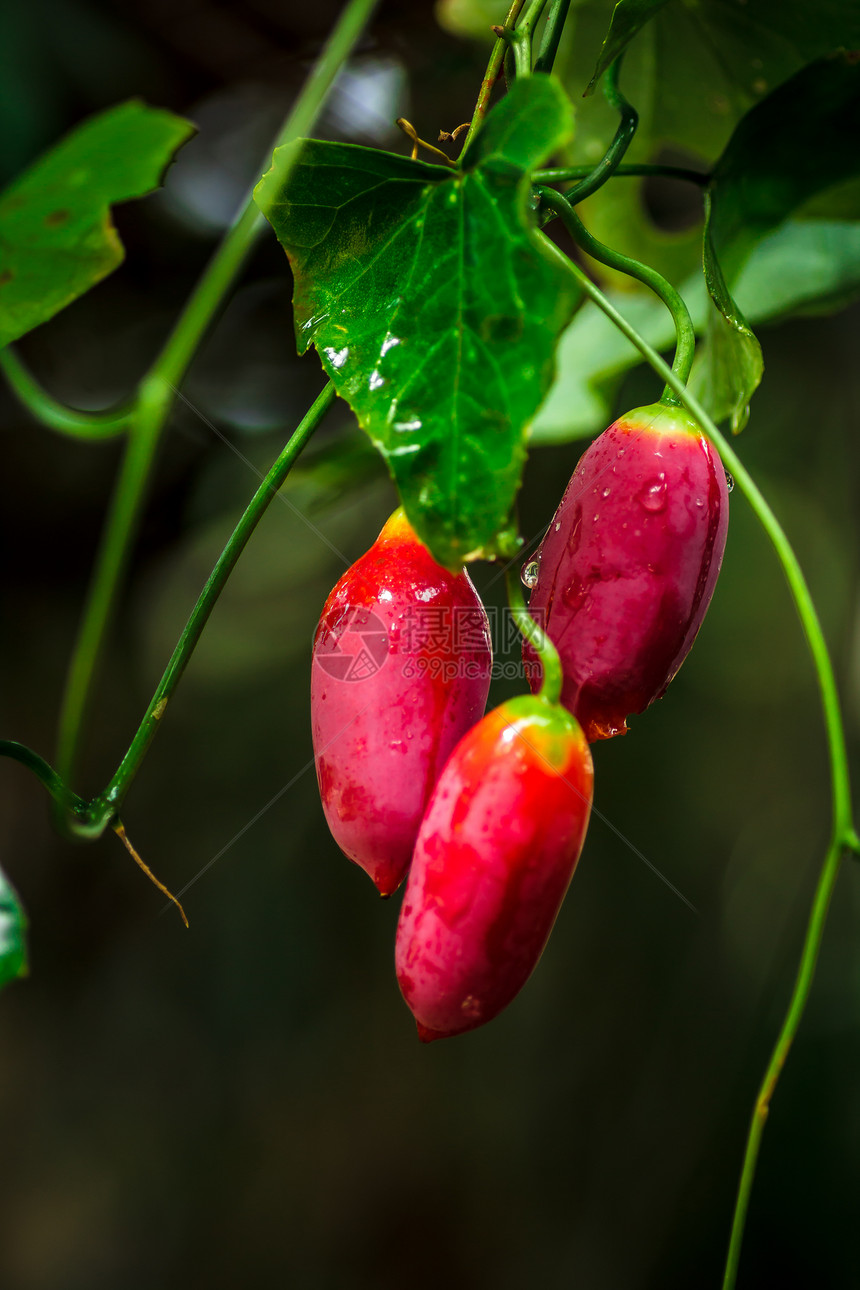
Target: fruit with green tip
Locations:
point(494, 857)
point(629, 564)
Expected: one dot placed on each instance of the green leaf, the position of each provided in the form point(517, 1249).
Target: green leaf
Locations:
point(434, 308)
point(800, 141)
point(13, 924)
point(628, 19)
point(802, 266)
point(691, 72)
point(729, 366)
point(56, 235)
point(795, 144)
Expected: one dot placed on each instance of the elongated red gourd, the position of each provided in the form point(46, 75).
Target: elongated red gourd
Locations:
point(401, 670)
point(629, 563)
point(493, 860)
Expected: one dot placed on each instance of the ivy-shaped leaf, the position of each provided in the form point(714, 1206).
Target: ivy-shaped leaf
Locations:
point(57, 239)
point(798, 142)
point(628, 19)
point(13, 924)
point(434, 307)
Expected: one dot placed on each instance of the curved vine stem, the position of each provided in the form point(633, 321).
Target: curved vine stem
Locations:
point(553, 676)
point(88, 820)
point(54, 414)
point(103, 808)
point(843, 833)
point(156, 394)
point(685, 333)
point(625, 170)
point(610, 162)
point(46, 776)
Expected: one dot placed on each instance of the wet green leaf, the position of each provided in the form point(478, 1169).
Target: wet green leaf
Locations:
point(434, 308)
point(13, 924)
point(56, 235)
point(800, 141)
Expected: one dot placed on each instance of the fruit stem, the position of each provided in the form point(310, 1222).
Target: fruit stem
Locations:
point(843, 835)
point(607, 166)
point(550, 690)
point(685, 333)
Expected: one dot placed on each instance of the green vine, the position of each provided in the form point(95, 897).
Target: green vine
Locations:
point(685, 345)
point(614, 155)
point(843, 833)
point(148, 415)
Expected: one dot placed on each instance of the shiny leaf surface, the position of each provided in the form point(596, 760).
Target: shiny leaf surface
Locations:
point(434, 308)
point(57, 238)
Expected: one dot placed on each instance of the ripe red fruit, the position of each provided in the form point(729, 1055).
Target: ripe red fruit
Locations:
point(401, 670)
point(629, 563)
point(493, 860)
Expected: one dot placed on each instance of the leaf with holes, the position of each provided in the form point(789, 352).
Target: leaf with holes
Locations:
point(57, 238)
point(434, 307)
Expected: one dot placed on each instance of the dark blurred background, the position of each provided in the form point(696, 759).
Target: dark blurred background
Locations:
point(246, 1102)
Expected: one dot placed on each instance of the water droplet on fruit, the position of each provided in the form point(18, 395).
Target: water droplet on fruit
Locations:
point(730, 482)
point(529, 573)
point(652, 495)
point(574, 595)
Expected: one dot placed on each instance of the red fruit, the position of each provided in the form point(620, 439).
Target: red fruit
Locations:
point(629, 564)
point(401, 670)
point(492, 863)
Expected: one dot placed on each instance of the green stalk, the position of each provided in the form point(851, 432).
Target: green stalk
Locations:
point(55, 415)
point(156, 396)
point(553, 676)
point(491, 75)
point(685, 332)
point(625, 170)
point(105, 807)
point(553, 28)
point(46, 775)
point(620, 143)
point(843, 833)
